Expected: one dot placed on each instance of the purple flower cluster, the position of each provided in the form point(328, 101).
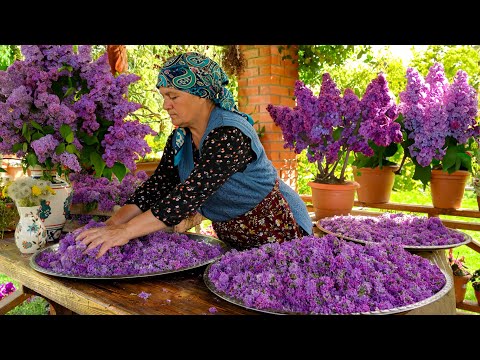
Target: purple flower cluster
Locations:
point(59, 109)
point(330, 126)
point(155, 253)
point(102, 194)
point(393, 228)
point(435, 111)
point(6, 289)
point(326, 275)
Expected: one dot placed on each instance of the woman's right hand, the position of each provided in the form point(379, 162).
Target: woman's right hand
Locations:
point(188, 223)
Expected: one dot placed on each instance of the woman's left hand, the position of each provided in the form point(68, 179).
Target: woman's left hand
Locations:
point(106, 237)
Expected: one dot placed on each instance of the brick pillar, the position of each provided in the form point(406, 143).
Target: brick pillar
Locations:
point(268, 79)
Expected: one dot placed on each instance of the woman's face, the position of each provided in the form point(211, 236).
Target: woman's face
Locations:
point(182, 107)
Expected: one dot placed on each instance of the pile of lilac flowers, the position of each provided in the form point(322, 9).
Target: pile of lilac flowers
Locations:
point(154, 253)
point(331, 127)
point(61, 110)
point(326, 275)
point(397, 228)
point(6, 289)
point(102, 194)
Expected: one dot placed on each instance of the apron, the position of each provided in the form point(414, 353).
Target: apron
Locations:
point(270, 221)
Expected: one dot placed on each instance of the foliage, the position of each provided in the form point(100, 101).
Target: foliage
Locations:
point(8, 211)
point(63, 111)
point(312, 59)
point(8, 54)
point(475, 280)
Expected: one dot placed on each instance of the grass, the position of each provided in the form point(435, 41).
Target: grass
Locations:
point(39, 306)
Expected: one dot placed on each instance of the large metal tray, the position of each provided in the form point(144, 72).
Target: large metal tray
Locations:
point(193, 236)
point(467, 238)
point(402, 309)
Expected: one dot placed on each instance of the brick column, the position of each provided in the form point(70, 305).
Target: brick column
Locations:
point(268, 79)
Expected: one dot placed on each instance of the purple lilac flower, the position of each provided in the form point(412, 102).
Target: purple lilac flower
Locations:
point(212, 310)
point(395, 228)
point(144, 295)
point(6, 289)
point(326, 275)
point(154, 253)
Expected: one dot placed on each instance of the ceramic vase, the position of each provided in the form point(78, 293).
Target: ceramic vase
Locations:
point(30, 233)
point(54, 209)
point(448, 189)
point(375, 184)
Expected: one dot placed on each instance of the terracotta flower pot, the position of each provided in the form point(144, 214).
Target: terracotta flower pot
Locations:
point(333, 199)
point(375, 184)
point(460, 286)
point(477, 296)
point(448, 189)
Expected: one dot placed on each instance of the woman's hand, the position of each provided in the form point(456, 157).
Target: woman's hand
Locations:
point(105, 236)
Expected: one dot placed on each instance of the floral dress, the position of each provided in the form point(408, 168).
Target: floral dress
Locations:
point(225, 151)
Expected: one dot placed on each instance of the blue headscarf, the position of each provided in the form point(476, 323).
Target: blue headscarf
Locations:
point(198, 75)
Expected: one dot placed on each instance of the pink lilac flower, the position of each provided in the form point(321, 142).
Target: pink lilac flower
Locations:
point(396, 228)
point(155, 253)
point(6, 289)
point(327, 275)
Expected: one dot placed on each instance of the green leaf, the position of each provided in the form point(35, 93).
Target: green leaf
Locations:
point(450, 158)
point(107, 173)
point(2, 170)
point(337, 133)
point(36, 135)
point(69, 91)
point(48, 129)
point(71, 149)
point(25, 146)
point(98, 163)
point(65, 131)
point(119, 170)
point(60, 149)
point(423, 174)
point(90, 140)
point(36, 126)
point(17, 147)
point(32, 159)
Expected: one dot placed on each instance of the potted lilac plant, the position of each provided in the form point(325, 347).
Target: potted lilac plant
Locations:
point(330, 128)
point(440, 122)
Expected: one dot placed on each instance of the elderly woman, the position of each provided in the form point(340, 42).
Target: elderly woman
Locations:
point(213, 164)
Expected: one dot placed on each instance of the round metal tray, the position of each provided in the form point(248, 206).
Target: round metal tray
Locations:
point(443, 291)
point(467, 237)
point(193, 236)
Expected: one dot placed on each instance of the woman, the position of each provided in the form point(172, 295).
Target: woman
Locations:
point(213, 164)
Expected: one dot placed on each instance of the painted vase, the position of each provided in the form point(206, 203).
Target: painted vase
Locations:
point(30, 233)
point(54, 209)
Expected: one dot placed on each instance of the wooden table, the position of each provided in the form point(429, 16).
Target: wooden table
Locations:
point(182, 293)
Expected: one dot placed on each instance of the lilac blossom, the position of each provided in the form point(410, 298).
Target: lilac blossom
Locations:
point(57, 103)
point(397, 228)
point(438, 115)
point(331, 127)
point(327, 275)
point(154, 253)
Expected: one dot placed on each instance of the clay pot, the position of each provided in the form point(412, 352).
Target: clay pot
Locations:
point(448, 189)
point(333, 199)
point(375, 184)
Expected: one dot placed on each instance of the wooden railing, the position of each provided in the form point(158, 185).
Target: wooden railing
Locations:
point(366, 209)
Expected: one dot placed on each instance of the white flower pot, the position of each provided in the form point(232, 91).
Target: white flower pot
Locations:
point(30, 233)
point(55, 209)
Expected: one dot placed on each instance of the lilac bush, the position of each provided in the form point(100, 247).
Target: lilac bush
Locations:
point(440, 120)
point(63, 111)
point(399, 228)
point(326, 275)
point(331, 127)
point(154, 253)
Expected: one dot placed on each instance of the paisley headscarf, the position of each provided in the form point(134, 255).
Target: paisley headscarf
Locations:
point(198, 75)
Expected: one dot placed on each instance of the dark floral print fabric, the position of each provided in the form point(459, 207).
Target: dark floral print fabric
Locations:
point(225, 151)
point(270, 221)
